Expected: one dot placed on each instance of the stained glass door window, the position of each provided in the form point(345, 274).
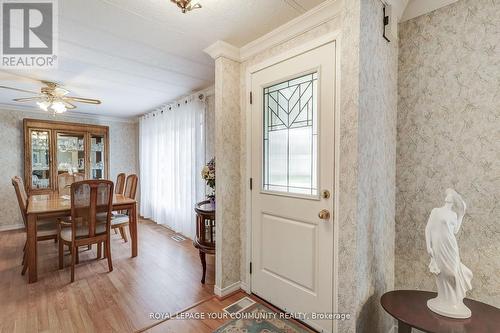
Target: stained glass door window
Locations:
point(291, 136)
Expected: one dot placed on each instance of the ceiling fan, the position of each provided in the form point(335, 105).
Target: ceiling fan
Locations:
point(53, 98)
point(185, 5)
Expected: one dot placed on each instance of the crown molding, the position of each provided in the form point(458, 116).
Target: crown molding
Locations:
point(422, 7)
point(223, 49)
point(311, 19)
point(66, 116)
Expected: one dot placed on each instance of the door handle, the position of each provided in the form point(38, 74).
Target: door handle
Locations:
point(324, 214)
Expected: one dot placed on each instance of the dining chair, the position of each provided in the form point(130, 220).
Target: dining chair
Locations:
point(46, 229)
point(64, 181)
point(79, 177)
point(120, 221)
point(90, 221)
point(120, 182)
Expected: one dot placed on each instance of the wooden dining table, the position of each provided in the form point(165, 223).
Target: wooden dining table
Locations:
point(54, 205)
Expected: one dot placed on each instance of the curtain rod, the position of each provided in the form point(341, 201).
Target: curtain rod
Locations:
point(200, 95)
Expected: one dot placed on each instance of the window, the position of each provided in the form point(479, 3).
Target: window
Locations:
point(291, 136)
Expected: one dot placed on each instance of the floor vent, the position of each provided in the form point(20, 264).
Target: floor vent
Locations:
point(239, 306)
point(178, 238)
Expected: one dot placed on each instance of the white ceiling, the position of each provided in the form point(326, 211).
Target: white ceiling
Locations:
point(416, 8)
point(137, 54)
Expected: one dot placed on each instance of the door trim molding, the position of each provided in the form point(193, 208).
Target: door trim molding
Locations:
point(311, 19)
point(334, 36)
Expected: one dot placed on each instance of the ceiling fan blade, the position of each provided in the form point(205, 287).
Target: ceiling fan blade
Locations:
point(83, 100)
point(21, 90)
point(27, 99)
point(69, 105)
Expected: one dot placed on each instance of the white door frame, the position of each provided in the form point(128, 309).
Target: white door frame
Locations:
point(325, 39)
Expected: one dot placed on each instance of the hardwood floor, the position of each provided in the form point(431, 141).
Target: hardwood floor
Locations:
point(208, 325)
point(165, 277)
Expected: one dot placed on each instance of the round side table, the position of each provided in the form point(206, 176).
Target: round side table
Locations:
point(205, 232)
point(409, 307)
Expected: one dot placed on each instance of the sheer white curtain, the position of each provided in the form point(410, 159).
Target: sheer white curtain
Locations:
point(172, 153)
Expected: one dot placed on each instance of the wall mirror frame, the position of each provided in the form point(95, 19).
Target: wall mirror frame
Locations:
point(54, 147)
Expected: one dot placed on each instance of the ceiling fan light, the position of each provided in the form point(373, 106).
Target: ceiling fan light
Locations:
point(58, 107)
point(44, 105)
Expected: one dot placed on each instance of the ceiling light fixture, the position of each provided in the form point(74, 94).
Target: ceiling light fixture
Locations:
point(56, 106)
point(186, 6)
point(53, 97)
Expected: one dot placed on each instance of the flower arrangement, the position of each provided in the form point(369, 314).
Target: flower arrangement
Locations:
point(208, 174)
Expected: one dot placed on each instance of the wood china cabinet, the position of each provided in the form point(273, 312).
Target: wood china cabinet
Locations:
point(53, 147)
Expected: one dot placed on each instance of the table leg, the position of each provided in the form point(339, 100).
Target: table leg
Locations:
point(204, 265)
point(31, 248)
point(133, 229)
point(403, 327)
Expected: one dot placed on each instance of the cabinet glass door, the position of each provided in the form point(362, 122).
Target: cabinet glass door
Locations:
point(70, 153)
point(40, 159)
point(97, 153)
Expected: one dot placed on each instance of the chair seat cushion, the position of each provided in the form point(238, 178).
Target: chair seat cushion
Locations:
point(120, 219)
point(101, 217)
point(82, 231)
point(46, 228)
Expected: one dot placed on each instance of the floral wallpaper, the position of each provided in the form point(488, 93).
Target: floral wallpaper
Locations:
point(227, 151)
point(209, 127)
point(377, 119)
point(123, 154)
point(449, 136)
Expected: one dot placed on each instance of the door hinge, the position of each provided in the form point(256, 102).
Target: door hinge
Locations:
point(251, 184)
point(250, 267)
point(251, 98)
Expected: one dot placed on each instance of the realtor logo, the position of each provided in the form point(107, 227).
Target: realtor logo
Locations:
point(28, 33)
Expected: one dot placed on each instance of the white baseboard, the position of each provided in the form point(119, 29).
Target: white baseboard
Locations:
point(11, 227)
point(244, 286)
point(222, 292)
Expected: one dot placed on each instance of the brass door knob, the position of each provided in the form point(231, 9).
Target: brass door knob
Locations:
point(324, 214)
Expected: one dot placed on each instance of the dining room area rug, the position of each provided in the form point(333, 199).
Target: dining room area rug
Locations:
point(258, 318)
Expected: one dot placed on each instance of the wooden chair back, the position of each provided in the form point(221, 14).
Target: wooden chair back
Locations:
point(131, 186)
point(78, 177)
point(90, 198)
point(64, 181)
point(22, 196)
point(120, 183)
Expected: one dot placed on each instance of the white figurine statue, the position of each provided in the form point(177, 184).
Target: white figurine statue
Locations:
point(453, 278)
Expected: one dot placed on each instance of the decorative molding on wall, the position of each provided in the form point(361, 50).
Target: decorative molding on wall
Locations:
point(222, 292)
point(298, 26)
point(244, 286)
point(305, 22)
point(70, 115)
point(223, 49)
point(420, 7)
point(11, 227)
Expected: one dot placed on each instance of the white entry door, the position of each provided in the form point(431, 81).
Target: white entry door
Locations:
point(293, 176)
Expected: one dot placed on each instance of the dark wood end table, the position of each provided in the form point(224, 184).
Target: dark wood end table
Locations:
point(205, 232)
point(409, 307)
